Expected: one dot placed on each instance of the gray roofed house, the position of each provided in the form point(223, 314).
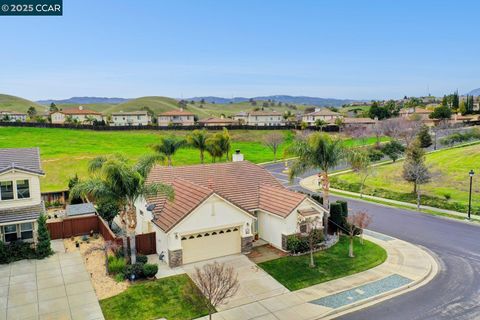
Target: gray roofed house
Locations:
point(20, 197)
point(27, 159)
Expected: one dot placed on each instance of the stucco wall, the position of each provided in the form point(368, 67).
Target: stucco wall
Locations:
point(34, 183)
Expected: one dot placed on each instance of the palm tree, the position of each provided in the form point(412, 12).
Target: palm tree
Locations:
point(317, 151)
point(168, 146)
point(224, 141)
point(214, 147)
point(113, 179)
point(198, 140)
point(89, 119)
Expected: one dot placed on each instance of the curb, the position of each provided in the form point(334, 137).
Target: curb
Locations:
point(426, 278)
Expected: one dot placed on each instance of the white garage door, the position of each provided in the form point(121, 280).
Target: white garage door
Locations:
point(211, 244)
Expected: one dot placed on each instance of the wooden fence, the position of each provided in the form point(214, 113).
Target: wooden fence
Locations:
point(72, 227)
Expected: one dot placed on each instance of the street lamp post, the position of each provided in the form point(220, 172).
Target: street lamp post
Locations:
point(471, 173)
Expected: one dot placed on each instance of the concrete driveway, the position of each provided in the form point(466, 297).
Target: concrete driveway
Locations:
point(255, 284)
point(57, 288)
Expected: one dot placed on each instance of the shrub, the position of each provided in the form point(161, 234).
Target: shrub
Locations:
point(150, 270)
point(318, 198)
point(375, 154)
point(344, 205)
point(135, 269)
point(43, 244)
point(447, 196)
point(115, 265)
point(142, 259)
point(296, 244)
point(17, 250)
point(336, 216)
point(119, 277)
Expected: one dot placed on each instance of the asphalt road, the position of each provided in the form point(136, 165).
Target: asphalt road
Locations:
point(455, 292)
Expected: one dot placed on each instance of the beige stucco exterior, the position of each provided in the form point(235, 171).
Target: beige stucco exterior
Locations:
point(59, 117)
point(217, 214)
point(34, 183)
point(130, 119)
point(182, 120)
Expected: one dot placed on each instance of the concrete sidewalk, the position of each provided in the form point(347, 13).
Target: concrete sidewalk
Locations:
point(406, 268)
point(310, 184)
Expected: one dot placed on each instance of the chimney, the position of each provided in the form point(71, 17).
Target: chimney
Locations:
point(318, 109)
point(80, 107)
point(237, 156)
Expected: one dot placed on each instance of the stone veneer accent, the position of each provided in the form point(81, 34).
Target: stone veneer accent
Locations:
point(175, 258)
point(284, 242)
point(247, 244)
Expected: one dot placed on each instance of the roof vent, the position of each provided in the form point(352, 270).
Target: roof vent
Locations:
point(237, 156)
point(150, 207)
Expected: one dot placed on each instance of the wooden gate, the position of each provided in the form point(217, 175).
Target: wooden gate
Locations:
point(146, 243)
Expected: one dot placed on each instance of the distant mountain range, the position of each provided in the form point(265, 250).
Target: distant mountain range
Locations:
point(474, 92)
point(281, 98)
point(84, 100)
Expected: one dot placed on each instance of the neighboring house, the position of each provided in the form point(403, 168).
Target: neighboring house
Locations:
point(415, 113)
point(241, 117)
point(220, 209)
point(364, 123)
point(458, 118)
point(78, 114)
point(323, 114)
point(220, 122)
point(176, 118)
point(133, 118)
point(20, 199)
point(11, 116)
point(260, 118)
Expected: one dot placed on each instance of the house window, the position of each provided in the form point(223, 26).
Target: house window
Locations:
point(303, 228)
point(10, 232)
point(6, 190)
point(26, 230)
point(23, 189)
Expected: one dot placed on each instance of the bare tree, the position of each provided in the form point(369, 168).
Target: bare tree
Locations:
point(392, 127)
point(314, 236)
point(216, 282)
point(409, 131)
point(418, 174)
point(273, 142)
point(356, 222)
point(378, 130)
point(360, 164)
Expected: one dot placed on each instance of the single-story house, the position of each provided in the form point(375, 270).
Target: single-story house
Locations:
point(420, 113)
point(220, 122)
point(221, 209)
point(364, 123)
point(20, 199)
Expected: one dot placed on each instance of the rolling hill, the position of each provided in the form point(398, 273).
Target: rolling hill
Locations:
point(474, 92)
point(13, 103)
point(84, 100)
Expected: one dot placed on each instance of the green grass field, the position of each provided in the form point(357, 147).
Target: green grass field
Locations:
point(162, 298)
point(333, 263)
point(450, 179)
point(65, 152)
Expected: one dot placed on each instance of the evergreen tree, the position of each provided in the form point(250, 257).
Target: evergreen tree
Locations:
point(455, 101)
point(424, 137)
point(43, 238)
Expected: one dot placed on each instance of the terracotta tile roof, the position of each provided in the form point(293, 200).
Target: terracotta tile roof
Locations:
point(280, 201)
point(265, 113)
point(78, 111)
point(358, 120)
point(244, 184)
point(417, 111)
point(217, 120)
point(176, 113)
point(13, 113)
point(188, 196)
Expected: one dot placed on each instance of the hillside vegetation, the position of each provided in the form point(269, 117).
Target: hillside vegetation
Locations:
point(12, 103)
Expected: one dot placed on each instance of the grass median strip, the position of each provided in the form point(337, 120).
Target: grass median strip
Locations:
point(294, 272)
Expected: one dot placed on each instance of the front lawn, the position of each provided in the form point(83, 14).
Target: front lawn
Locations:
point(294, 272)
point(162, 298)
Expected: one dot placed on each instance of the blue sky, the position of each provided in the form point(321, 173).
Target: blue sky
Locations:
point(344, 49)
